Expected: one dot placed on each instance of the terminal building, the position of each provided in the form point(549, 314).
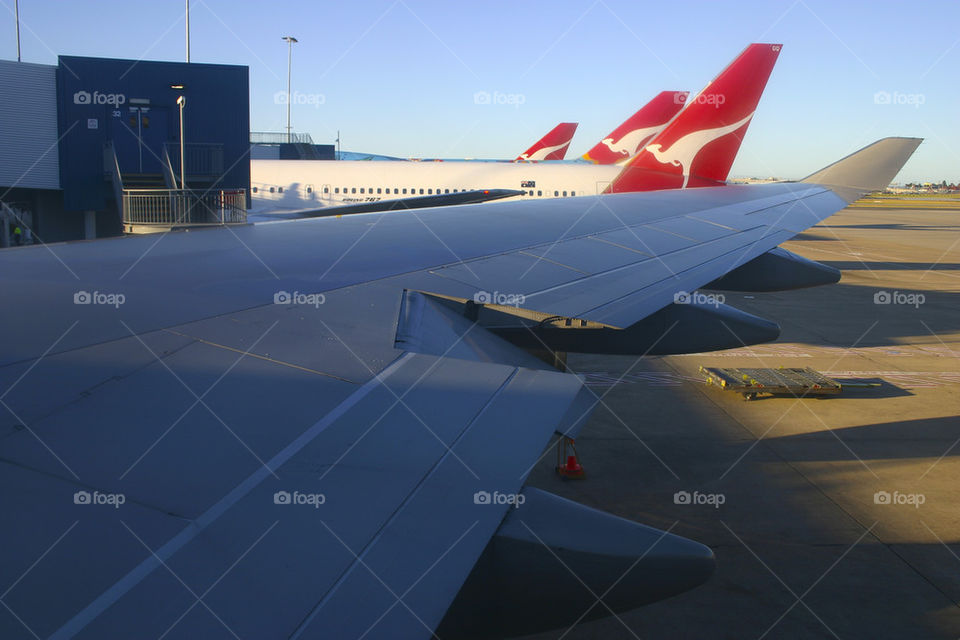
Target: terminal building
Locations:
point(92, 147)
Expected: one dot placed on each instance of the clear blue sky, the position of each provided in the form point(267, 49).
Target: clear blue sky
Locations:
point(399, 77)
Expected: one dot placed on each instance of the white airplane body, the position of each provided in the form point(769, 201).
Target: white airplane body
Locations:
point(311, 185)
point(298, 184)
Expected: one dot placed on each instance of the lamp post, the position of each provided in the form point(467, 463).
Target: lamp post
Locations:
point(16, 5)
point(181, 101)
point(187, 14)
point(289, 40)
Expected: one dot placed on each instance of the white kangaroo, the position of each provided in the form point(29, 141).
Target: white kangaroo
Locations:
point(540, 154)
point(630, 142)
point(684, 151)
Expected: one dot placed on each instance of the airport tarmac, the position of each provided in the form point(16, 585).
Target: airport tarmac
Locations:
point(840, 517)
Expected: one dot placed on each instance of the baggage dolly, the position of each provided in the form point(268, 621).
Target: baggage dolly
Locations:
point(782, 381)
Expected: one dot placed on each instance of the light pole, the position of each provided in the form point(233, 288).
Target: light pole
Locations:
point(16, 5)
point(181, 101)
point(290, 40)
point(188, 30)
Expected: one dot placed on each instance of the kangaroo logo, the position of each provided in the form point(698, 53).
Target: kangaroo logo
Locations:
point(543, 152)
point(684, 151)
point(630, 142)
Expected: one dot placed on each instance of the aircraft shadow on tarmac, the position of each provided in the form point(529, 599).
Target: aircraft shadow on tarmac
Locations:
point(853, 265)
point(854, 316)
point(892, 226)
point(918, 438)
point(782, 527)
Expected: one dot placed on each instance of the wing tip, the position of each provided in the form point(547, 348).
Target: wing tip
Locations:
point(869, 169)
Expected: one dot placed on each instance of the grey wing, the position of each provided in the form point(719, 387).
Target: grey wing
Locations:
point(291, 430)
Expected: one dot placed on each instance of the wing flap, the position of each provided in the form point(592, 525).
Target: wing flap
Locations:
point(424, 553)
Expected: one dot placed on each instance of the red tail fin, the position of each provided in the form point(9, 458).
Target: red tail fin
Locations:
point(698, 147)
point(626, 140)
point(552, 146)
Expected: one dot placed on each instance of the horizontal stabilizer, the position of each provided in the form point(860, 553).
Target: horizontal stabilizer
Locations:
point(869, 169)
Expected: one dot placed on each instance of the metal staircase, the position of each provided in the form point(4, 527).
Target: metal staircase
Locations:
point(155, 202)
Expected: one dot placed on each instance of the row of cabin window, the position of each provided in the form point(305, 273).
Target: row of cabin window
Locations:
point(413, 191)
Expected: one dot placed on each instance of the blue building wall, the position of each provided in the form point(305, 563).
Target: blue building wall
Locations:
point(132, 103)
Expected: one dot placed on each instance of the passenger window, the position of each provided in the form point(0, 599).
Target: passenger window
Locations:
point(539, 192)
point(446, 190)
point(361, 191)
point(254, 189)
point(309, 189)
point(430, 191)
point(404, 191)
point(353, 190)
point(395, 190)
point(556, 193)
point(280, 189)
point(378, 189)
point(326, 189)
point(271, 189)
point(564, 194)
point(421, 191)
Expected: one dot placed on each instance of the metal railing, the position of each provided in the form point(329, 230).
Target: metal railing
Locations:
point(177, 207)
point(200, 158)
point(166, 166)
point(277, 137)
point(111, 167)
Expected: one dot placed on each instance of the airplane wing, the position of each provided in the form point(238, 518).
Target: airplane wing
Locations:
point(321, 428)
point(419, 202)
